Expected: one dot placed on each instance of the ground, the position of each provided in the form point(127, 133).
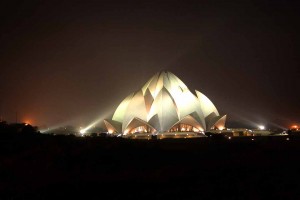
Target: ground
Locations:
point(48, 167)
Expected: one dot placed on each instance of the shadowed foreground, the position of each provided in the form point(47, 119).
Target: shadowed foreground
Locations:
point(48, 167)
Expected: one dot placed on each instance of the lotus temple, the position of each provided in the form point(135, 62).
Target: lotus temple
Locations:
point(165, 108)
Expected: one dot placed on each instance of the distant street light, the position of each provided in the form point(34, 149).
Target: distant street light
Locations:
point(261, 127)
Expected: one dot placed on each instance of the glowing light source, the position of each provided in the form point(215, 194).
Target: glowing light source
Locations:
point(261, 127)
point(294, 126)
point(84, 130)
point(221, 128)
point(110, 131)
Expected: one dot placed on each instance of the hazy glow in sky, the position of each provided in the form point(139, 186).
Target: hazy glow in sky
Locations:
point(63, 60)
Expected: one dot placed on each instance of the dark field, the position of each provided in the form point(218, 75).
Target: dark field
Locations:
point(66, 167)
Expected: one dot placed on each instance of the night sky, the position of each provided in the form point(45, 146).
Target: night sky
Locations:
point(72, 62)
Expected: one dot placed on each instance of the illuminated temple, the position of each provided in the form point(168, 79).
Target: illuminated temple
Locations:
point(165, 107)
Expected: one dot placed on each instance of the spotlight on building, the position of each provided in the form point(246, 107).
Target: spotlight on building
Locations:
point(93, 124)
point(83, 131)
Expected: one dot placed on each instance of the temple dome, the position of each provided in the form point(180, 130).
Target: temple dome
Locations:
point(165, 104)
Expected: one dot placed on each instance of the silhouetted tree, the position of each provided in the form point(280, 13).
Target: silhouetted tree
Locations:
point(3, 126)
point(28, 129)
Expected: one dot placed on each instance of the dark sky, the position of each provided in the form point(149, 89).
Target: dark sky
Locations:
point(72, 62)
